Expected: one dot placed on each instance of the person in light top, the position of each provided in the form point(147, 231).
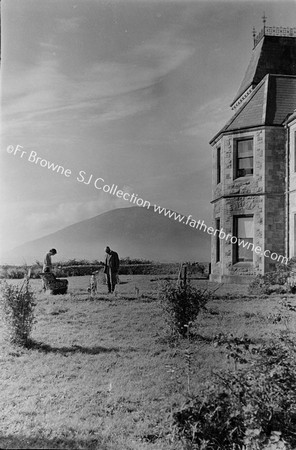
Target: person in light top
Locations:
point(47, 264)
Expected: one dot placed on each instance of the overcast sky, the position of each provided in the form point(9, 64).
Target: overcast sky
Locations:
point(129, 91)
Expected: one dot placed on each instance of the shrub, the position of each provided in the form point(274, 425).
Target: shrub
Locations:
point(275, 281)
point(17, 305)
point(13, 272)
point(271, 282)
point(182, 305)
point(265, 285)
point(253, 407)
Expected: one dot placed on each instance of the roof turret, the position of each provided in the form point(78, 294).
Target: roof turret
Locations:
point(274, 52)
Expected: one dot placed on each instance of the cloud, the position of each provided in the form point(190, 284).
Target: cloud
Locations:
point(106, 90)
point(50, 46)
point(211, 115)
point(32, 90)
point(163, 53)
point(66, 25)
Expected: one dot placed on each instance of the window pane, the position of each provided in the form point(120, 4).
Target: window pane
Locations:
point(294, 235)
point(218, 243)
point(245, 163)
point(295, 151)
point(245, 147)
point(245, 253)
point(245, 227)
point(244, 172)
point(218, 165)
point(244, 158)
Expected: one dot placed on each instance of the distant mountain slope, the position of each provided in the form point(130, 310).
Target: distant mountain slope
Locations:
point(134, 232)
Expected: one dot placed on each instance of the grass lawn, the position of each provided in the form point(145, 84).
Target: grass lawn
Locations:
point(103, 373)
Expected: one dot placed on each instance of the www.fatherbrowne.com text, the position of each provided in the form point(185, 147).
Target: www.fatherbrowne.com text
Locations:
point(112, 189)
point(200, 225)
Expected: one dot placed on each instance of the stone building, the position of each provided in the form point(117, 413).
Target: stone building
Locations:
point(254, 165)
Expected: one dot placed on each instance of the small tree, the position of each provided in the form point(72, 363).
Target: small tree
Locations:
point(17, 305)
point(182, 305)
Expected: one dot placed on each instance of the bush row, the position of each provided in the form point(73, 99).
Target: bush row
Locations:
point(126, 268)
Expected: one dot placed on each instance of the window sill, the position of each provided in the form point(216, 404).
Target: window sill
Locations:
point(243, 264)
point(247, 177)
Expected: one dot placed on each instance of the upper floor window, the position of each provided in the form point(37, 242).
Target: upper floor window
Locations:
point(244, 158)
point(218, 165)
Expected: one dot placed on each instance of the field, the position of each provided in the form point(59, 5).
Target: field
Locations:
point(103, 373)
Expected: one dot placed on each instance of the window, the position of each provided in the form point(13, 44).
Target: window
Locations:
point(294, 235)
point(295, 151)
point(244, 158)
point(218, 241)
point(243, 228)
point(218, 165)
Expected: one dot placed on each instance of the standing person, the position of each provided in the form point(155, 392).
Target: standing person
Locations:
point(47, 264)
point(111, 268)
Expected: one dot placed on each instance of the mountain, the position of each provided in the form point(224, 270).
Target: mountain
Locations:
point(135, 232)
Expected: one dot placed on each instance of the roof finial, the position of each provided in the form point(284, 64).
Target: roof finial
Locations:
point(254, 35)
point(264, 19)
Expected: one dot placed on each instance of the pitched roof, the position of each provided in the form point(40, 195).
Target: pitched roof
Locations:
point(269, 104)
point(273, 54)
point(250, 75)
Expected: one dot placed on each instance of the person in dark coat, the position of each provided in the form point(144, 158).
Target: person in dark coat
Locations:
point(111, 268)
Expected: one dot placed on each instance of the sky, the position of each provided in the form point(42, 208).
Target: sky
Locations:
point(130, 92)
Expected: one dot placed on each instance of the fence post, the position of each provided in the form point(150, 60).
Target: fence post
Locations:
point(182, 277)
point(179, 282)
point(185, 275)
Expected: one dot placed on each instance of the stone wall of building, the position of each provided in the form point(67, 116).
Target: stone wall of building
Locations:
point(260, 195)
point(226, 210)
point(275, 230)
point(292, 191)
point(239, 186)
point(275, 159)
point(275, 186)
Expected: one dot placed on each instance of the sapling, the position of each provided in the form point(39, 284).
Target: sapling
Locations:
point(17, 304)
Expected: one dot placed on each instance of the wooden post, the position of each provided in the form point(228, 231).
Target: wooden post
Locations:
point(185, 275)
point(179, 282)
point(182, 277)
